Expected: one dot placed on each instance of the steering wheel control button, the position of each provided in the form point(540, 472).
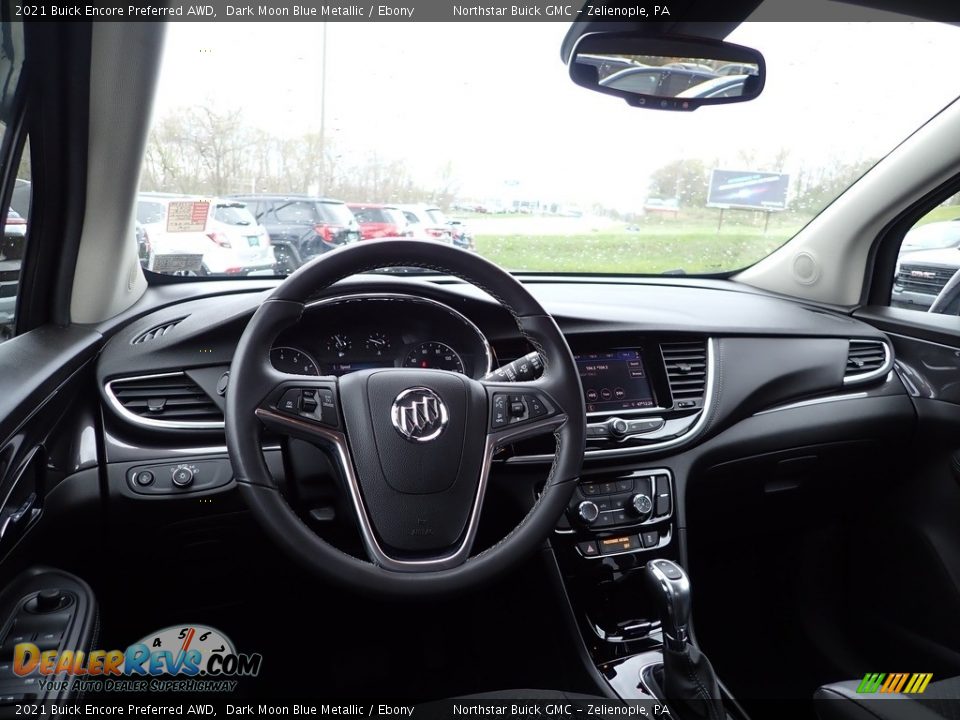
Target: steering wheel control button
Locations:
point(517, 408)
point(182, 476)
point(144, 478)
point(308, 401)
point(290, 401)
point(500, 416)
point(419, 414)
point(588, 511)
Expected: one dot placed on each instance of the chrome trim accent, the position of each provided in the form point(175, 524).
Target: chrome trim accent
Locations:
point(873, 374)
point(412, 298)
point(618, 413)
point(814, 401)
point(686, 437)
point(419, 420)
point(150, 422)
point(376, 553)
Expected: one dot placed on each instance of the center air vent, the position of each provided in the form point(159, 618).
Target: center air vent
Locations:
point(867, 360)
point(155, 332)
point(171, 400)
point(686, 365)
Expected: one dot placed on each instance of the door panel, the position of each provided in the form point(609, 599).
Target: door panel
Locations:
point(905, 554)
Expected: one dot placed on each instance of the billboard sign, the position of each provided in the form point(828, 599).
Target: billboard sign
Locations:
point(748, 190)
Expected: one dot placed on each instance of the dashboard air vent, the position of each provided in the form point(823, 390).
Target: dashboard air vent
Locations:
point(171, 400)
point(686, 365)
point(866, 359)
point(155, 332)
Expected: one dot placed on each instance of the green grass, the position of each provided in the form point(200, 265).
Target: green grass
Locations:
point(943, 212)
point(655, 248)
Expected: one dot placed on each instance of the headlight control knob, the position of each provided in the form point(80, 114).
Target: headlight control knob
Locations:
point(182, 476)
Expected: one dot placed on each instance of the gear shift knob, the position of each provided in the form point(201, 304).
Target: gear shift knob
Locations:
point(670, 588)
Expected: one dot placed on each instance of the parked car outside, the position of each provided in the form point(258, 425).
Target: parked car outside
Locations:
point(945, 234)
point(222, 232)
point(144, 249)
point(11, 255)
point(302, 226)
point(379, 221)
point(461, 235)
point(929, 256)
point(921, 275)
point(427, 222)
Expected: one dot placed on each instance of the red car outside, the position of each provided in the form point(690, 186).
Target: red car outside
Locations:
point(379, 221)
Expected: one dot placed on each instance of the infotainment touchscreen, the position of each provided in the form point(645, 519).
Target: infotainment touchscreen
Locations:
point(615, 380)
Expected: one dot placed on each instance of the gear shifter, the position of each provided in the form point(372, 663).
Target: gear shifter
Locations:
point(687, 681)
point(671, 589)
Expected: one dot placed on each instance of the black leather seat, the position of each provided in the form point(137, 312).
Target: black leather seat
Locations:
point(841, 701)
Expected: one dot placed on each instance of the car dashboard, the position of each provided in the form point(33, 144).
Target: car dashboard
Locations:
point(684, 381)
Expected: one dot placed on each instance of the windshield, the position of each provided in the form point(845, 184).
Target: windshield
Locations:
point(234, 215)
point(550, 177)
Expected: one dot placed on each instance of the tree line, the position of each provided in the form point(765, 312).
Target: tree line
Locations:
point(199, 151)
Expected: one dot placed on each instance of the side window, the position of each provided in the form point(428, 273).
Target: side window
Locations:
point(17, 213)
point(928, 260)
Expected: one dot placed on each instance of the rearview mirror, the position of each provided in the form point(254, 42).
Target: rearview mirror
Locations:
point(667, 73)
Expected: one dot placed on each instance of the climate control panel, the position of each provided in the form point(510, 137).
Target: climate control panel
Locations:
point(643, 496)
point(622, 514)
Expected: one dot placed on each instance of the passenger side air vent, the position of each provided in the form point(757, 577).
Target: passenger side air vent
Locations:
point(686, 365)
point(866, 360)
point(171, 400)
point(155, 332)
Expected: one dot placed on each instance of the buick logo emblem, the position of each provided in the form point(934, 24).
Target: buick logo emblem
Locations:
point(419, 414)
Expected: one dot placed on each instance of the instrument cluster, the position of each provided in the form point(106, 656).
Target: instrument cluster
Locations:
point(344, 335)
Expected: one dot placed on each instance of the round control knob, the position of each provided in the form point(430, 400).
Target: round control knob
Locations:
point(588, 511)
point(642, 505)
point(182, 476)
point(618, 426)
point(49, 600)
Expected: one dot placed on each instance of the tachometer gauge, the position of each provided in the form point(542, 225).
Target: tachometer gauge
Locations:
point(377, 343)
point(340, 344)
point(293, 361)
point(435, 355)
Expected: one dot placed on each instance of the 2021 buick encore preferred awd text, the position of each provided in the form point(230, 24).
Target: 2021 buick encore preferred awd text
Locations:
point(660, 440)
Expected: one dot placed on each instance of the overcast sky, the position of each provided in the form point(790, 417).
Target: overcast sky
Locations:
point(495, 99)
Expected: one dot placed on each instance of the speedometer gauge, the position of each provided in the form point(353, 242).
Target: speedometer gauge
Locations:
point(293, 361)
point(434, 355)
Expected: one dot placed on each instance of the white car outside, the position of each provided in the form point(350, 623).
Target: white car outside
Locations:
point(206, 236)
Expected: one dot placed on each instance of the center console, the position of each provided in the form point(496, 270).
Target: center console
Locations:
point(617, 545)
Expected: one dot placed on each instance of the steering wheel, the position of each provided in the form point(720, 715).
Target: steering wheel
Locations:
point(414, 447)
